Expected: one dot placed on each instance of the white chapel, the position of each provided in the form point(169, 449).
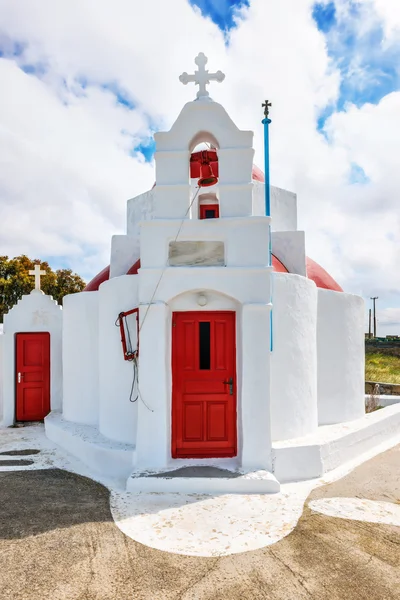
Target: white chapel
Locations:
point(210, 342)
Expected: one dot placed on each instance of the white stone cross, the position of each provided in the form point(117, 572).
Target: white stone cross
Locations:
point(201, 77)
point(37, 273)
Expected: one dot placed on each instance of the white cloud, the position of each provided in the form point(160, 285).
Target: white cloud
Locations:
point(389, 11)
point(65, 167)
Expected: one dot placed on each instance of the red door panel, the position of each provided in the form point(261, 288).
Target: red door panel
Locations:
point(203, 385)
point(32, 376)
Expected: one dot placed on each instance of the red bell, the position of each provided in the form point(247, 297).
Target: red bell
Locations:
point(207, 176)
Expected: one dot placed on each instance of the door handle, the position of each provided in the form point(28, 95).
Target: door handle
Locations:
point(230, 383)
point(20, 375)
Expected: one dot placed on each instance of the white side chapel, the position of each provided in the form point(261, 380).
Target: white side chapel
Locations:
point(196, 346)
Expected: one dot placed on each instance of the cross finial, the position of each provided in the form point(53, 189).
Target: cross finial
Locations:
point(37, 273)
point(266, 106)
point(201, 77)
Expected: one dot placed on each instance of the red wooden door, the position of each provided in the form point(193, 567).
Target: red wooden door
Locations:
point(32, 376)
point(203, 385)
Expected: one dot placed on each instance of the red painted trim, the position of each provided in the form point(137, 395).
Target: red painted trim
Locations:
point(204, 390)
point(134, 268)
point(278, 267)
point(32, 386)
point(204, 207)
point(121, 317)
point(100, 278)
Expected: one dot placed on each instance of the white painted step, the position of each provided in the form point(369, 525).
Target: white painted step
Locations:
point(204, 480)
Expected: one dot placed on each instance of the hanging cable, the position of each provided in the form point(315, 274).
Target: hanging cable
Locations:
point(154, 293)
point(121, 322)
point(166, 264)
point(134, 380)
point(130, 354)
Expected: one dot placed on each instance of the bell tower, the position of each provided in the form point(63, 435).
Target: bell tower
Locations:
point(204, 296)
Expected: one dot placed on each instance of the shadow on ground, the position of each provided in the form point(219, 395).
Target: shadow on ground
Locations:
point(35, 502)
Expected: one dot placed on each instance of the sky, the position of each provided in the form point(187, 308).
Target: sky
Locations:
point(84, 86)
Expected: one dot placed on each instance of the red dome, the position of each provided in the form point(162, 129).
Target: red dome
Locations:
point(97, 280)
point(320, 277)
point(278, 267)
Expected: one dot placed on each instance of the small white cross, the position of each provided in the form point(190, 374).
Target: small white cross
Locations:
point(37, 273)
point(201, 77)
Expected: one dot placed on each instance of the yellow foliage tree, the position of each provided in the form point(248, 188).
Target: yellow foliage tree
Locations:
point(15, 281)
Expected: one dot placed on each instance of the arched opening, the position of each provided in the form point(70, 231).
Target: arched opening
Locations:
point(204, 173)
point(203, 137)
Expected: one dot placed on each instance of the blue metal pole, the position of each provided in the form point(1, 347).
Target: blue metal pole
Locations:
point(266, 122)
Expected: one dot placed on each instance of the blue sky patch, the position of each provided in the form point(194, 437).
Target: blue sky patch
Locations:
point(368, 66)
point(38, 69)
point(357, 175)
point(146, 148)
point(222, 12)
point(122, 96)
point(324, 15)
point(10, 48)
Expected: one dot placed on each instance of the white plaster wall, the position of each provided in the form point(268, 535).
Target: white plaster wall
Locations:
point(341, 357)
point(294, 357)
point(81, 358)
point(256, 425)
point(172, 167)
point(246, 240)
point(153, 443)
point(117, 415)
point(289, 247)
point(125, 251)
point(34, 312)
point(139, 209)
point(283, 206)
point(202, 116)
point(245, 285)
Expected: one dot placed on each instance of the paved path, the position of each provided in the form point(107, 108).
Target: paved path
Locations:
point(58, 541)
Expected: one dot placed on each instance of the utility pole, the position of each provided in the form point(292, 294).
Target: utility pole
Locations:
point(374, 299)
point(369, 324)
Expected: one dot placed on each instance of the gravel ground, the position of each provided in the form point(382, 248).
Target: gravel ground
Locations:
point(58, 541)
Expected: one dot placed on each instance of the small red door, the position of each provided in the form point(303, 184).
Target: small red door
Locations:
point(32, 376)
point(209, 211)
point(203, 385)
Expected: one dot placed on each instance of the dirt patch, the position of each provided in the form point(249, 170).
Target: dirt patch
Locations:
point(58, 542)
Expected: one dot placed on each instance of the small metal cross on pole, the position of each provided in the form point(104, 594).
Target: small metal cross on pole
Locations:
point(201, 77)
point(37, 273)
point(266, 106)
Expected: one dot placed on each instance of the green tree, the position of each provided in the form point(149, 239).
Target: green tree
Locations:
point(15, 281)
